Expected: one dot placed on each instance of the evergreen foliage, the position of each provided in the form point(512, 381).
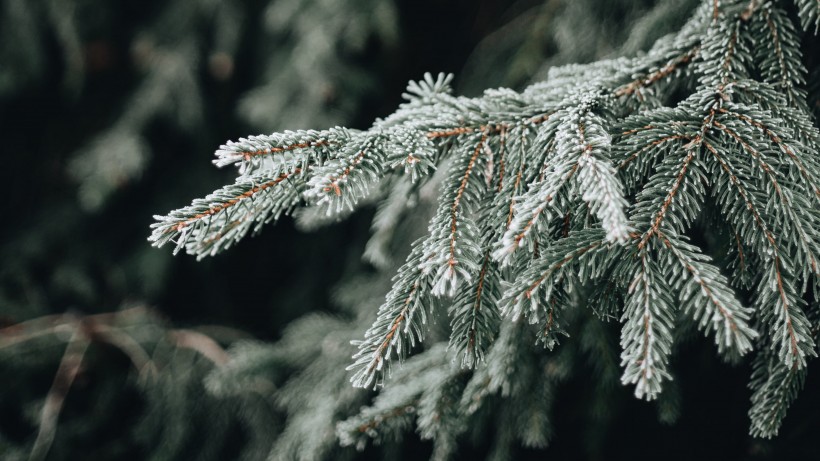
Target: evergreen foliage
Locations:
point(536, 256)
point(593, 178)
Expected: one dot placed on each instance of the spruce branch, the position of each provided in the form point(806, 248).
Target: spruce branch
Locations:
point(780, 68)
point(475, 315)
point(424, 397)
point(775, 386)
point(602, 190)
point(214, 223)
point(399, 324)
point(646, 337)
point(777, 299)
point(578, 256)
point(705, 294)
point(809, 14)
point(594, 180)
point(451, 253)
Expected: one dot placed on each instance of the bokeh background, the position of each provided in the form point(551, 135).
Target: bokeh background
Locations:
point(109, 114)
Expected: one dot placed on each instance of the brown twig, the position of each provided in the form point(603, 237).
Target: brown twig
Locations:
point(477, 304)
point(558, 265)
point(247, 155)
point(334, 180)
point(635, 86)
point(457, 201)
point(222, 206)
point(377, 354)
point(63, 379)
point(125, 343)
point(667, 202)
point(704, 286)
point(204, 345)
point(85, 330)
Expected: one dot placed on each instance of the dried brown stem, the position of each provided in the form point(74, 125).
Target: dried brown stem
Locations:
point(222, 206)
point(63, 379)
point(200, 343)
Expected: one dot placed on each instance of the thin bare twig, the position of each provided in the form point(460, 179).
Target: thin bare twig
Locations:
point(129, 346)
point(63, 379)
point(201, 343)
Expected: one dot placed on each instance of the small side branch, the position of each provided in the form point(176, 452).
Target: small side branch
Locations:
point(636, 86)
point(200, 343)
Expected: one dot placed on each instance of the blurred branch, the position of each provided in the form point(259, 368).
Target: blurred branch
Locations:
point(109, 328)
point(66, 373)
point(130, 347)
point(201, 343)
point(53, 324)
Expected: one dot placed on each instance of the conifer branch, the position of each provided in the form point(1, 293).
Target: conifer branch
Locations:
point(212, 224)
point(809, 14)
point(637, 86)
point(646, 337)
point(792, 220)
point(775, 386)
point(786, 320)
point(809, 177)
point(475, 316)
point(705, 293)
point(533, 205)
point(667, 201)
point(530, 294)
point(397, 326)
point(781, 69)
